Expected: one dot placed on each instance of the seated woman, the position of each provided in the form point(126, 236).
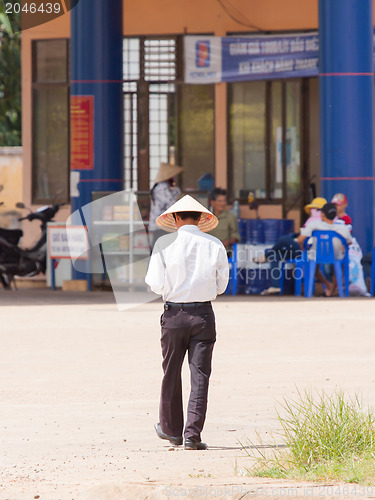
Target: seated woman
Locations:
point(327, 223)
point(287, 247)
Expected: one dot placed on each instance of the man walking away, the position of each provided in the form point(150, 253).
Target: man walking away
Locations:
point(189, 269)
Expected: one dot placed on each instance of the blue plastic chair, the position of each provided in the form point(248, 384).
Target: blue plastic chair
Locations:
point(325, 255)
point(233, 269)
point(373, 272)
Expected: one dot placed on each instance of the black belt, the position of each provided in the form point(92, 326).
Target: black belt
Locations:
point(183, 305)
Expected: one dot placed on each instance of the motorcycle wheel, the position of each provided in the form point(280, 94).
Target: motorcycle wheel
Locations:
point(5, 281)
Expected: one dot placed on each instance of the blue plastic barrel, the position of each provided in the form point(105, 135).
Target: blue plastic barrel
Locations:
point(254, 231)
point(286, 226)
point(268, 231)
point(242, 229)
point(274, 229)
point(271, 231)
point(257, 280)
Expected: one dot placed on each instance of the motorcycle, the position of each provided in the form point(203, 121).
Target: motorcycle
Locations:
point(12, 236)
point(17, 261)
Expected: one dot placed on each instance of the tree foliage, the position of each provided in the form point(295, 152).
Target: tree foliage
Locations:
point(10, 78)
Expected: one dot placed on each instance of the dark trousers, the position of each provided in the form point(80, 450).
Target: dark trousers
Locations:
point(190, 330)
point(284, 249)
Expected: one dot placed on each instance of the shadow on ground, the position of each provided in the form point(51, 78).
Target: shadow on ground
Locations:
point(45, 296)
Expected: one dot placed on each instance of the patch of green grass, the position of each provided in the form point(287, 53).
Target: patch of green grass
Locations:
point(326, 437)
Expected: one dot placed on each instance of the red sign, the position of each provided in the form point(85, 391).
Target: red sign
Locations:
point(82, 132)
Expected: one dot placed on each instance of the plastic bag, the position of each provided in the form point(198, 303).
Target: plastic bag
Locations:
point(357, 284)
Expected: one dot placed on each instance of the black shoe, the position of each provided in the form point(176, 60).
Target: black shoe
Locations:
point(174, 440)
point(194, 444)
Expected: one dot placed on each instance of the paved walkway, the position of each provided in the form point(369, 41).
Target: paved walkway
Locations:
point(80, 385)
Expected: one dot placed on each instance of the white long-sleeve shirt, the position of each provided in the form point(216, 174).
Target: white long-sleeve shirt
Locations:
point(188, 266)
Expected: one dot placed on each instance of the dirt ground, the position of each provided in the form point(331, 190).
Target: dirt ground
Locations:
point(80, 385)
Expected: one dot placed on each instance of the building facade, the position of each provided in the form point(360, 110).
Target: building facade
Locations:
point(260, 136)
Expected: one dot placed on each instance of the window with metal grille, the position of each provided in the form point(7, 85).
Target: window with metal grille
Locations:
point(160, 60)
point(162, 120)
point(50, 113)
point(131, 59)
point(152, 61)
point(130, 139)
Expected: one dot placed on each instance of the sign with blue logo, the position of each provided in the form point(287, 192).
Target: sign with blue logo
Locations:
point(234, 59)
point(202, 53)
point(202, 59)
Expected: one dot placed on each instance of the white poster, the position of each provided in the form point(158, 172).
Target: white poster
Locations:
point(202, 59)
point(67, 242)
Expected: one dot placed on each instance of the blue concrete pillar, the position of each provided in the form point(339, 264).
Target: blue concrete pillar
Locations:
point(96, 99)
point(346, 109)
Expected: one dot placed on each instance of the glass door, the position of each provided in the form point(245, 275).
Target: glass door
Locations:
point(292, 144)
point(265, 130)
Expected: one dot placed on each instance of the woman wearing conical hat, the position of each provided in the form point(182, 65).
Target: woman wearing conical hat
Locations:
point(189, 269)
point(163, 194)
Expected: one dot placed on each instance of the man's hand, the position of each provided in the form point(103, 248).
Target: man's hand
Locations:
point(229, 242)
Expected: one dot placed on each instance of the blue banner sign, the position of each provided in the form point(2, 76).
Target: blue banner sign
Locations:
point(269, 57)
point(234, 59)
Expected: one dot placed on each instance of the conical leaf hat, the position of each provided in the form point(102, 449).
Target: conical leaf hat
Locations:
point(207, 223)
point(167, 171)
